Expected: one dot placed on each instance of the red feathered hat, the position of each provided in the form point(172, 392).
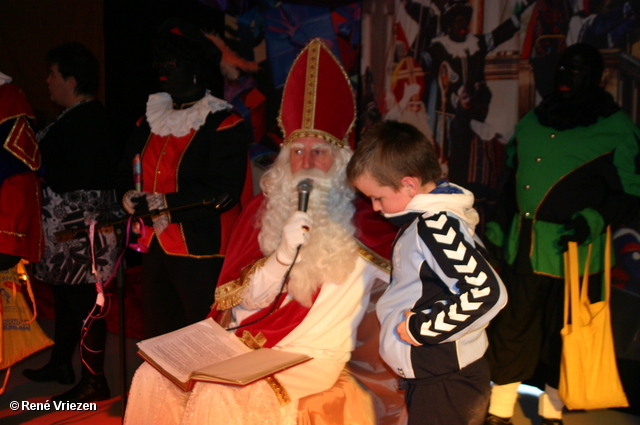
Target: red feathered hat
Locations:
point(317, 100)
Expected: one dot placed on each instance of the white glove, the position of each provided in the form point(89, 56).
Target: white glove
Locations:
point(155, 201)
point(160, 222)
point(295, 232)
point(128, 202)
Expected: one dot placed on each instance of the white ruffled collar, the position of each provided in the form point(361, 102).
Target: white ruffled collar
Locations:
point(165, 120)
point(483, 129)
point(4, 78)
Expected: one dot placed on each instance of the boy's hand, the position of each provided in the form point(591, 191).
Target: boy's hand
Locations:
point(401, 329)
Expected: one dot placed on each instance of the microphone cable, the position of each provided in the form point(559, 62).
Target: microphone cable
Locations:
point(304, 187)
point(276, 299)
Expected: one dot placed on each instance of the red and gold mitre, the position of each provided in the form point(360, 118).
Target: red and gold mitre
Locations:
point(317, 100)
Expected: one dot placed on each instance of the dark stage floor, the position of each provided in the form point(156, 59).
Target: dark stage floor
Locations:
point(108, 412)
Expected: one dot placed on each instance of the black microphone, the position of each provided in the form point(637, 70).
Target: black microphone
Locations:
point(304, 188)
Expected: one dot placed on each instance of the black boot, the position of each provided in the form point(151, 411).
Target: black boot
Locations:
point(90, 388)
point(52, 372)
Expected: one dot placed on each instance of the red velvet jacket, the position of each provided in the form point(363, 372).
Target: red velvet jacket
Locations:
point(197, 167)
point(20, 220)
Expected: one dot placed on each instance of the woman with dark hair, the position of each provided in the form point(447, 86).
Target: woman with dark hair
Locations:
point(79, 160)
point(193, 152)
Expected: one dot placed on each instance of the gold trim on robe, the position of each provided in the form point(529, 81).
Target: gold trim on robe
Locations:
point(229, 294)
point(372, 257)
point(255, 342)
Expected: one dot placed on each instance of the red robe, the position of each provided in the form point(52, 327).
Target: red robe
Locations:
point(374, 233)
point(20, 220)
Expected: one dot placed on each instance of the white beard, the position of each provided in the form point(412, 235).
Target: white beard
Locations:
point(331, 252)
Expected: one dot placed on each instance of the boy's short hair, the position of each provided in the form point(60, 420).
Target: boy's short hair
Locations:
point(391, 150)
point(75, 60)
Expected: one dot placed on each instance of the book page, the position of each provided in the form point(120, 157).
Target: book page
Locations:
point(252, 366)
point(192, 347)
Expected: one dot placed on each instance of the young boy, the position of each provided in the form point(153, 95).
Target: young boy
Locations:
point(443, 293)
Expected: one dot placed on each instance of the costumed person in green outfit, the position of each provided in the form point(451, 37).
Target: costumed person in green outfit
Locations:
point(575, 159)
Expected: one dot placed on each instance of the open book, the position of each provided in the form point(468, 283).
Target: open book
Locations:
point(206, 352)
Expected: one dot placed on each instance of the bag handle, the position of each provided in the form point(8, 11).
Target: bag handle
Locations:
point(21, 270)
point(573, 294)
point(607, 265)
point(567, 286)
point(584, 290)
point(606, 272)
point(571, 284)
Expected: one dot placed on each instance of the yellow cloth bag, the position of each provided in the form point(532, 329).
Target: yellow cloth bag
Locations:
point(589, 376)
point(20, 335)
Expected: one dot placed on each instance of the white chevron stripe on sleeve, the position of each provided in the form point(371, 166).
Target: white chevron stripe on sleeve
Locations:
point(454, 315)
point(476, 281)
point(466, 304)
point(424, 330)
point(458, 254)
point(479, 293)
point(440, 325)
point(437, 224)
point(467, 268)
point(446, 239)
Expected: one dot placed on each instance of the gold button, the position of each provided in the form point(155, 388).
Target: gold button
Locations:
point(552, 135)
point(538, 159)
point(527, 186)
